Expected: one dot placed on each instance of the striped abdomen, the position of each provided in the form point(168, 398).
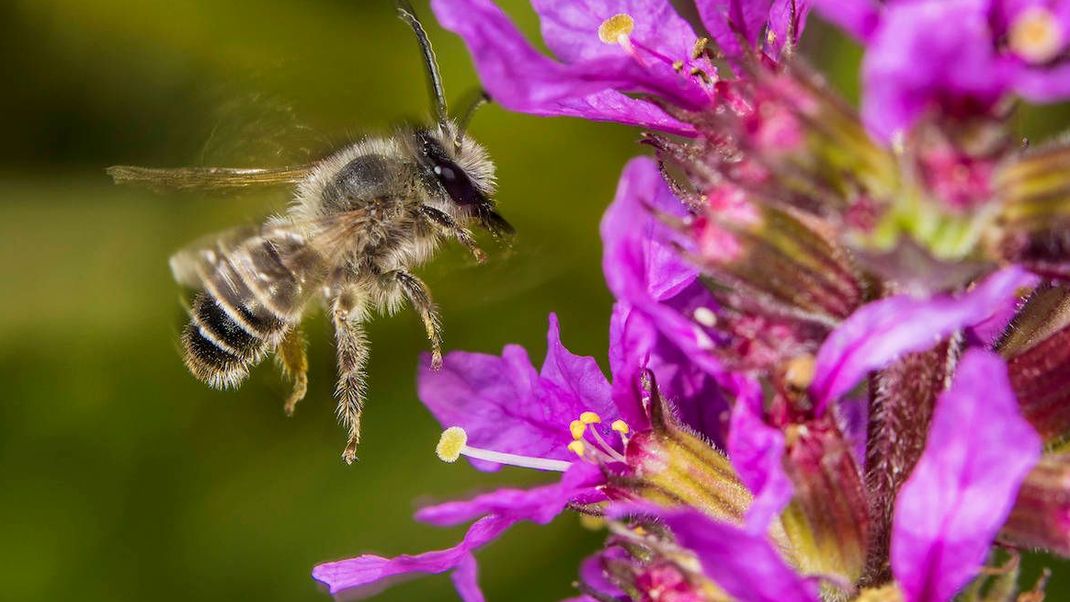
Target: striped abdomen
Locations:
point(253, 294)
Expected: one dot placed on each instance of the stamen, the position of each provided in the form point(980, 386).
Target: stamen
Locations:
point(451, 443)
point(705, 316)
point(620, 426)
point(454, 443)
point(1036, 35)
point(799, 372)
point(590, 418)
point(577, 447)
point(699, 48)
point(577, 429)
point(616, 29)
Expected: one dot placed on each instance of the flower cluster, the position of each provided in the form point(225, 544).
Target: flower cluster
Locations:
point(840, 350)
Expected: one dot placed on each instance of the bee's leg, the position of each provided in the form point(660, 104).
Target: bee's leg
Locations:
point(420, 297)
point(450, 226)
point(348, 313)
point(294, 363)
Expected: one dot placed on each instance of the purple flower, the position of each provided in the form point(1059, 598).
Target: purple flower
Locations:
point(607, 48)
point(914, 61)
point(368, 572)
point(503, 404)
point(963, 487)
point(884, 330)
point(733, 21)
point(661, 307)
point(757, 453)
point(743, 563)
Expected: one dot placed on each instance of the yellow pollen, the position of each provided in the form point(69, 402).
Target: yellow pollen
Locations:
point(799, 372)
point(1035, 35)
point(620, 426)
point(451, 443)
point(577, 447)
point(577, 429)
point(590, 418)
point(614, 28)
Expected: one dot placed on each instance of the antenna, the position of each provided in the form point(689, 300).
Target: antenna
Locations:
point(434, 78)
point(474, 101)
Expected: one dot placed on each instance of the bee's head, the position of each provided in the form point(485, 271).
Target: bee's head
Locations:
point(460, 169)
point(452, 162)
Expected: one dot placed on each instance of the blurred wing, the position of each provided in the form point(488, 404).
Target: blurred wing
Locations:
point(280, 263)
point(219, 178)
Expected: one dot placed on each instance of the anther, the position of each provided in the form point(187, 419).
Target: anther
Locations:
point(799, 372)
point(590, 418)
point(616, 28)
point(577, 429)
point(699, 48)
point(620, 426)
point(1036, 35)
point(577, 447)
point(454, 443)
point(705, 317)
point(451, 443)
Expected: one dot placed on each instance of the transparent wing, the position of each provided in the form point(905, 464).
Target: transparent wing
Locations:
point(219, 178)
point(282, 258)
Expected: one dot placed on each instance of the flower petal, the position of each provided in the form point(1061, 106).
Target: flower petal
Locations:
point(538, 504)
point(730, 20)
point(915, 60)
point(639, 259)
point(571, 29)
point(883, 330)
point(979, 451)
point(757, 453)
point(859, 18)
point(521, 79)
point(644, 270)
point(575, 378)
point(370, 570)
point(492, 399)
point(743, 563)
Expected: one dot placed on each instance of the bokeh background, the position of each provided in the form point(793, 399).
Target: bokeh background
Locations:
point(121, 477)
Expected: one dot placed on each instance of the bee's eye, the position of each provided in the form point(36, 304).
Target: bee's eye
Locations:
point(445, 173)
point(457, 184)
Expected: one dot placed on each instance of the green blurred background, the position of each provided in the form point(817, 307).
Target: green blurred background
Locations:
point(122, 478)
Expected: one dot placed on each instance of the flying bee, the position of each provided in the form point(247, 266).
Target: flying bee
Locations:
point(360, 220)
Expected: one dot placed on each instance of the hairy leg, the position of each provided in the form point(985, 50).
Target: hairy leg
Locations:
point(348, 313)
point(418, 294)
point(448, 225)
point(294, 364)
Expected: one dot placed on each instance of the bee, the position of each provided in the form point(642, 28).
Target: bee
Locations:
point(360, 220)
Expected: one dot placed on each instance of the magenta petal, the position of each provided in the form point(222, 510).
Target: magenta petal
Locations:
point(519, 78)
point(574, 379)
point(466, 580)
point(616, 107)
point(570, 28)
point(1044, 84)
point(743, 563)
point(730, 20)
point(512, 71)
point(643, 269)
point(493, 399)
point(979, 451)
point(639, 260)
point(882, 331)
point(908, 69)
point(857, 17)
point(757, 453)
point(538, 504)
point(369, 570)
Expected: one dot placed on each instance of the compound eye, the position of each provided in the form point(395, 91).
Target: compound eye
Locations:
point(445, 173)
